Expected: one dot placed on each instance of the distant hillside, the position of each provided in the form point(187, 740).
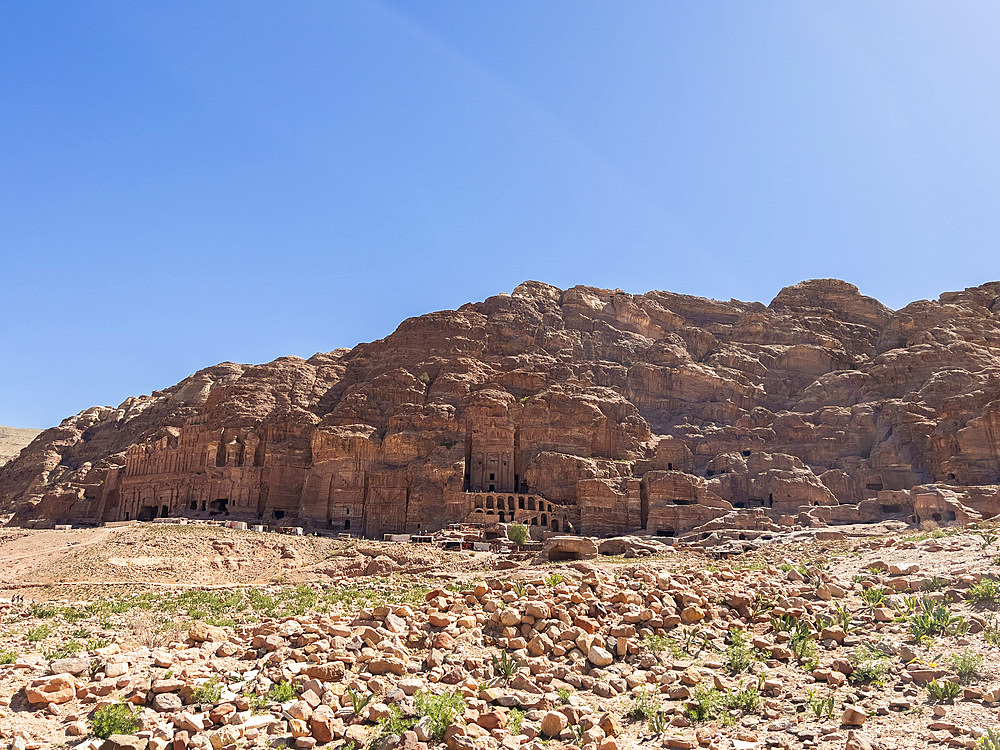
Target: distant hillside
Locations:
point(12, 439)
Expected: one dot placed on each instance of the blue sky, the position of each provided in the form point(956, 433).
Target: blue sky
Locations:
point(183, 183)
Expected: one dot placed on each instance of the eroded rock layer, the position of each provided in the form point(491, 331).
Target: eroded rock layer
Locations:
point(584, 410)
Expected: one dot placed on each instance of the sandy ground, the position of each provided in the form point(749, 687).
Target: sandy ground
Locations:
point(12, 439)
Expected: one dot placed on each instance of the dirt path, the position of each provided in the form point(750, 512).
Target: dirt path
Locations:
point(24, 556)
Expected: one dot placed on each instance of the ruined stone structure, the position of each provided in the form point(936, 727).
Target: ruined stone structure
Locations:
point(585, 411)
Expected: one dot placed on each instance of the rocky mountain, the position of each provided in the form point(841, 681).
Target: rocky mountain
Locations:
point(583, 410)
point(12, 439)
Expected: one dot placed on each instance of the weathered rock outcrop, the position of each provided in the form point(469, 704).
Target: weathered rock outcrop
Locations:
point(584, 410)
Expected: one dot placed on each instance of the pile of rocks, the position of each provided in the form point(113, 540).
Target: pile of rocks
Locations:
point(535, 657)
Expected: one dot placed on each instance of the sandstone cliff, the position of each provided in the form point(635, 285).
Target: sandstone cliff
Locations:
point(584, 409)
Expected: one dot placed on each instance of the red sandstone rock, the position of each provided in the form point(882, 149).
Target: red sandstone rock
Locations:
point(583, 411)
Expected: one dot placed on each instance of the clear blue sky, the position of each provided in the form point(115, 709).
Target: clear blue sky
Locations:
point(183, 183)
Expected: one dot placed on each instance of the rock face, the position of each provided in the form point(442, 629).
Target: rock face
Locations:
point(583, 411)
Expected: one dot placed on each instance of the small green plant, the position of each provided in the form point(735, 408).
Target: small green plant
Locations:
point(987, 539)
point(96, 643)
point(208, 692)
point(519, 589)
point(870, 666)
point(991, 631)
point(41, 611)
point(658, 723)
point(985, 593)
point(933, 619)
point(761, 603)
point(843, 616)
point(515, 718)
point(643, 707)
point(116, 718)
point(553, 579)
point(745, 699)
point(358, 701)
point(739, 653)
point(784, 623)
point(821, 707)
point(694, 641)
point(802, 644)
point(655, 643)
point(966, 664)
point(517, 533)
point(564, 694)
point(7, 657)
point(990, 740)
point(935, 583)
point(704, 705)
point(67, 649)
point(506, 666)
point(281, 692)
point(943, 692)
point(394, 723)
point(442, 710)
point(38, 634)
point(874, 597)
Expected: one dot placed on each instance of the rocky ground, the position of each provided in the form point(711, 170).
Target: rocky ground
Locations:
point(885, 640)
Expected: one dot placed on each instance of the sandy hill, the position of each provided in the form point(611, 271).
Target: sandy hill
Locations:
point(12, 439)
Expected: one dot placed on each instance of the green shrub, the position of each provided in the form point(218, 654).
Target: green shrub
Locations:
point(966, 664)
point(515, 718)
point(655, 643)
point(67, 649)
point(992, 631)
point(116, 718)
point(41, 611)
point(658, 723)
point(281, 692)
point(442, 710)
point(745, 699)
point(39, 634)
point(7, 657)
point(564, 694)
point(870, 666)
point(394, 723)
point(208, 692)
point(739, 653)
point(874, 596)
point(705, 704)
point(943, 692)
point(517, 533)
point(802, 644)
point(932, 619)
point(935, 583)
point(643, 707)
point(986, 592)
point(554, 579)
